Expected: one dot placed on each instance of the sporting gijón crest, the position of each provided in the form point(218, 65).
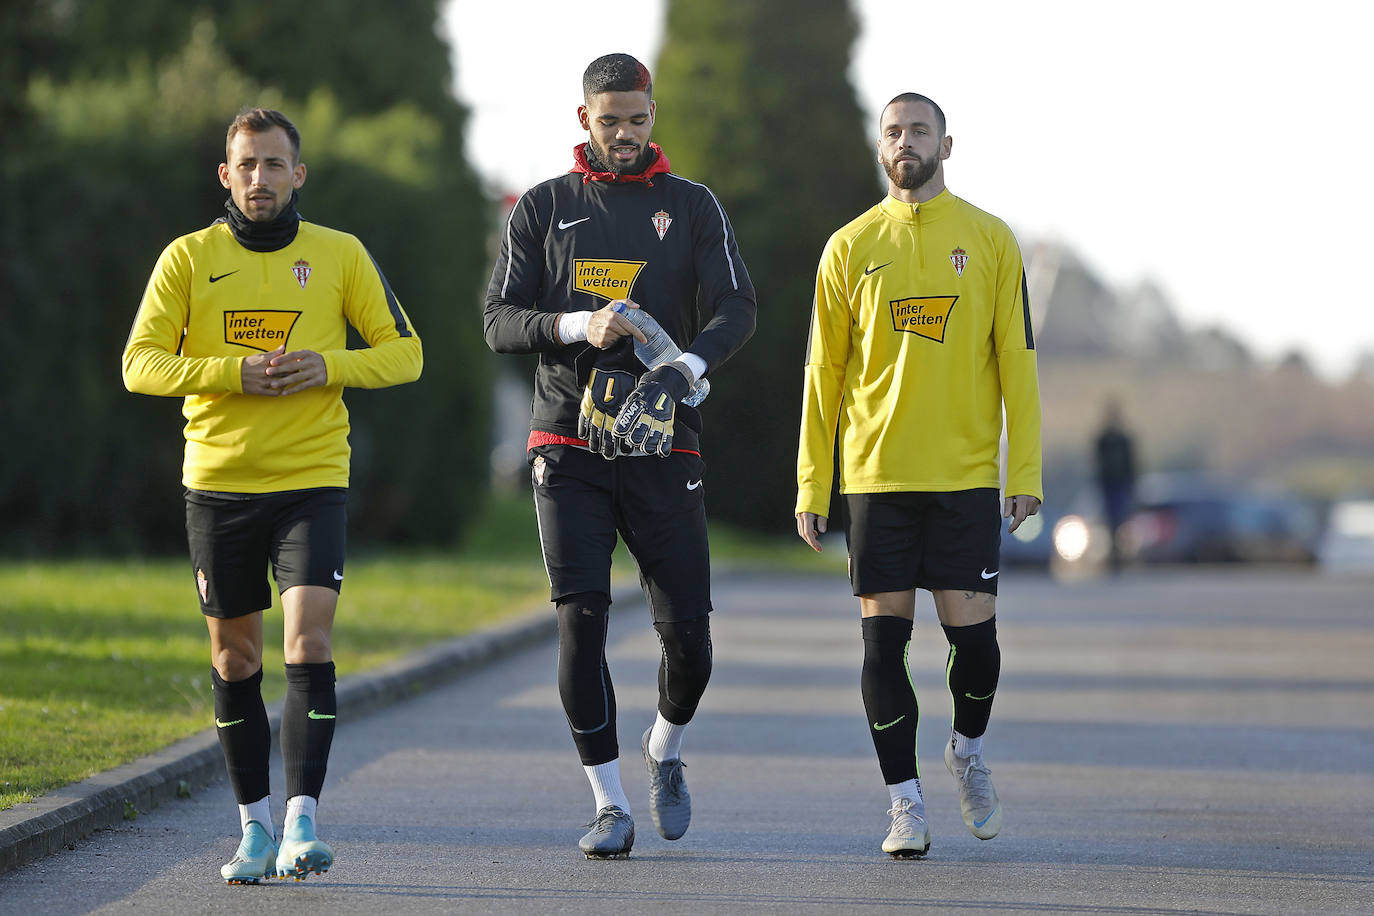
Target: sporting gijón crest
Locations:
point(302, 271)
point(661, 221)
point(959, 258)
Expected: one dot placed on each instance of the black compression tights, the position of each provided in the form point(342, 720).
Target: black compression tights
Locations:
point(684, 667)
point(584, 681)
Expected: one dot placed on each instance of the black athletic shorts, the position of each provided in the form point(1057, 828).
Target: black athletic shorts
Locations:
point(656, 504)
point(234, 537)
point(901, 541)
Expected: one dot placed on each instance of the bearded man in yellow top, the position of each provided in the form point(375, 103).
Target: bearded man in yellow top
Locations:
point(920, 337)
point(247, 321)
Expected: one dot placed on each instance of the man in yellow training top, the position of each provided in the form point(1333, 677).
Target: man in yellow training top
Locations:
point(920, 336)
point(247, 320)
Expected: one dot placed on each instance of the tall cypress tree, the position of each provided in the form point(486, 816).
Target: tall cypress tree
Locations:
point(754, 100)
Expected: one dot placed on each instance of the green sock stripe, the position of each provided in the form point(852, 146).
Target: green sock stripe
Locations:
point(949, 670)
point(906, 664)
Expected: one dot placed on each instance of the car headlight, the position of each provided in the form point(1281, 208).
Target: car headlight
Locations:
point(1071, 538)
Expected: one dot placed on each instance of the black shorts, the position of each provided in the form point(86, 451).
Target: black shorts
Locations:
point(901, 541)
point(234, 537)
point(656, 504)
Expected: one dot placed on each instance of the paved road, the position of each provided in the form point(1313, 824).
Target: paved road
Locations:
point(1197, 743)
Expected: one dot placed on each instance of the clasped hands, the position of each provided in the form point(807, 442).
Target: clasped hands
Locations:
point(277, 373)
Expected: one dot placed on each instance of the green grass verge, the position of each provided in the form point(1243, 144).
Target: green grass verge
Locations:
point(104, 661)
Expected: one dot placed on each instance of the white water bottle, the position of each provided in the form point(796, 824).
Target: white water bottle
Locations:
point(659, 349)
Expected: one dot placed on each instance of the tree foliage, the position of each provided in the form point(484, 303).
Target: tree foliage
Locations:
point(110, 153)
point(754, 100)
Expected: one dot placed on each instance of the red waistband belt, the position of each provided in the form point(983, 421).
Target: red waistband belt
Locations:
point(538, 438)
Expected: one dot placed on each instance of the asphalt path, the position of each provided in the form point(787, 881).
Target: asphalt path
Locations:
point(1201, 742)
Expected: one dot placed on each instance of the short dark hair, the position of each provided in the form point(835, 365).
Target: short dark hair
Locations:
point(914, 97)
point(261, 120)
point(616, 73)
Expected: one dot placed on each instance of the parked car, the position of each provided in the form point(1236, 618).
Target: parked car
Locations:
point(1347, 545)
point(1200, 518)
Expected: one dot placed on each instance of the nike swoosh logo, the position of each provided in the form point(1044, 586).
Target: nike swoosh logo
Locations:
point(215, 279)
point(972, 697)
point(563, 225)
point(338, 576)
point(693, 486)
point(878, 728)
point(989, 575)
point(873, 270)
point(315, 715)
point(979, 824)
point(220, 723)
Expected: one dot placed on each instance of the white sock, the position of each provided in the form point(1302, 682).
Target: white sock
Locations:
point(605, 780)
point(665, 739)
point(911, 789)
point(298, 806)
point(966, 747)
point(260, 811)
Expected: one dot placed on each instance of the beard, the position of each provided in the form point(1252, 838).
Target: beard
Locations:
point(601, 159)
point(262, 211)
point(909, 178)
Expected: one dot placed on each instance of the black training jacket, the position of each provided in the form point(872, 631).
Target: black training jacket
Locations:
point(576, 242)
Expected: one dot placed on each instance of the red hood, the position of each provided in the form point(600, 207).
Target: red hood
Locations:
point(659, 166)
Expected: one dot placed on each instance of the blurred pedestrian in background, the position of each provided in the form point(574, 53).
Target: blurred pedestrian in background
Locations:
point(1114, 459)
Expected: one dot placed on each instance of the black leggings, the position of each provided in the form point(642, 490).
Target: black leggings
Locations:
point(584, 680)
point(684, 668)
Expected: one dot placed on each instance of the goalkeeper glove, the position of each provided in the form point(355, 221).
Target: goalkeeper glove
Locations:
point(606, 392)
point(646, 419)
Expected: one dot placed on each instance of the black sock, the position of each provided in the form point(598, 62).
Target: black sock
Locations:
point(684, 667)
point(975, 661)
point(307, 727)
point(584, 681)
point(890, 697)
point(245, 736)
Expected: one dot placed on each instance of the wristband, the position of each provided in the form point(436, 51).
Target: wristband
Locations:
point(572, 326)
point(695, 363)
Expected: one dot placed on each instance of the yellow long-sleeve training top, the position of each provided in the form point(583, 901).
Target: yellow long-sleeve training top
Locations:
point(212, 302)
point(920, 334)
